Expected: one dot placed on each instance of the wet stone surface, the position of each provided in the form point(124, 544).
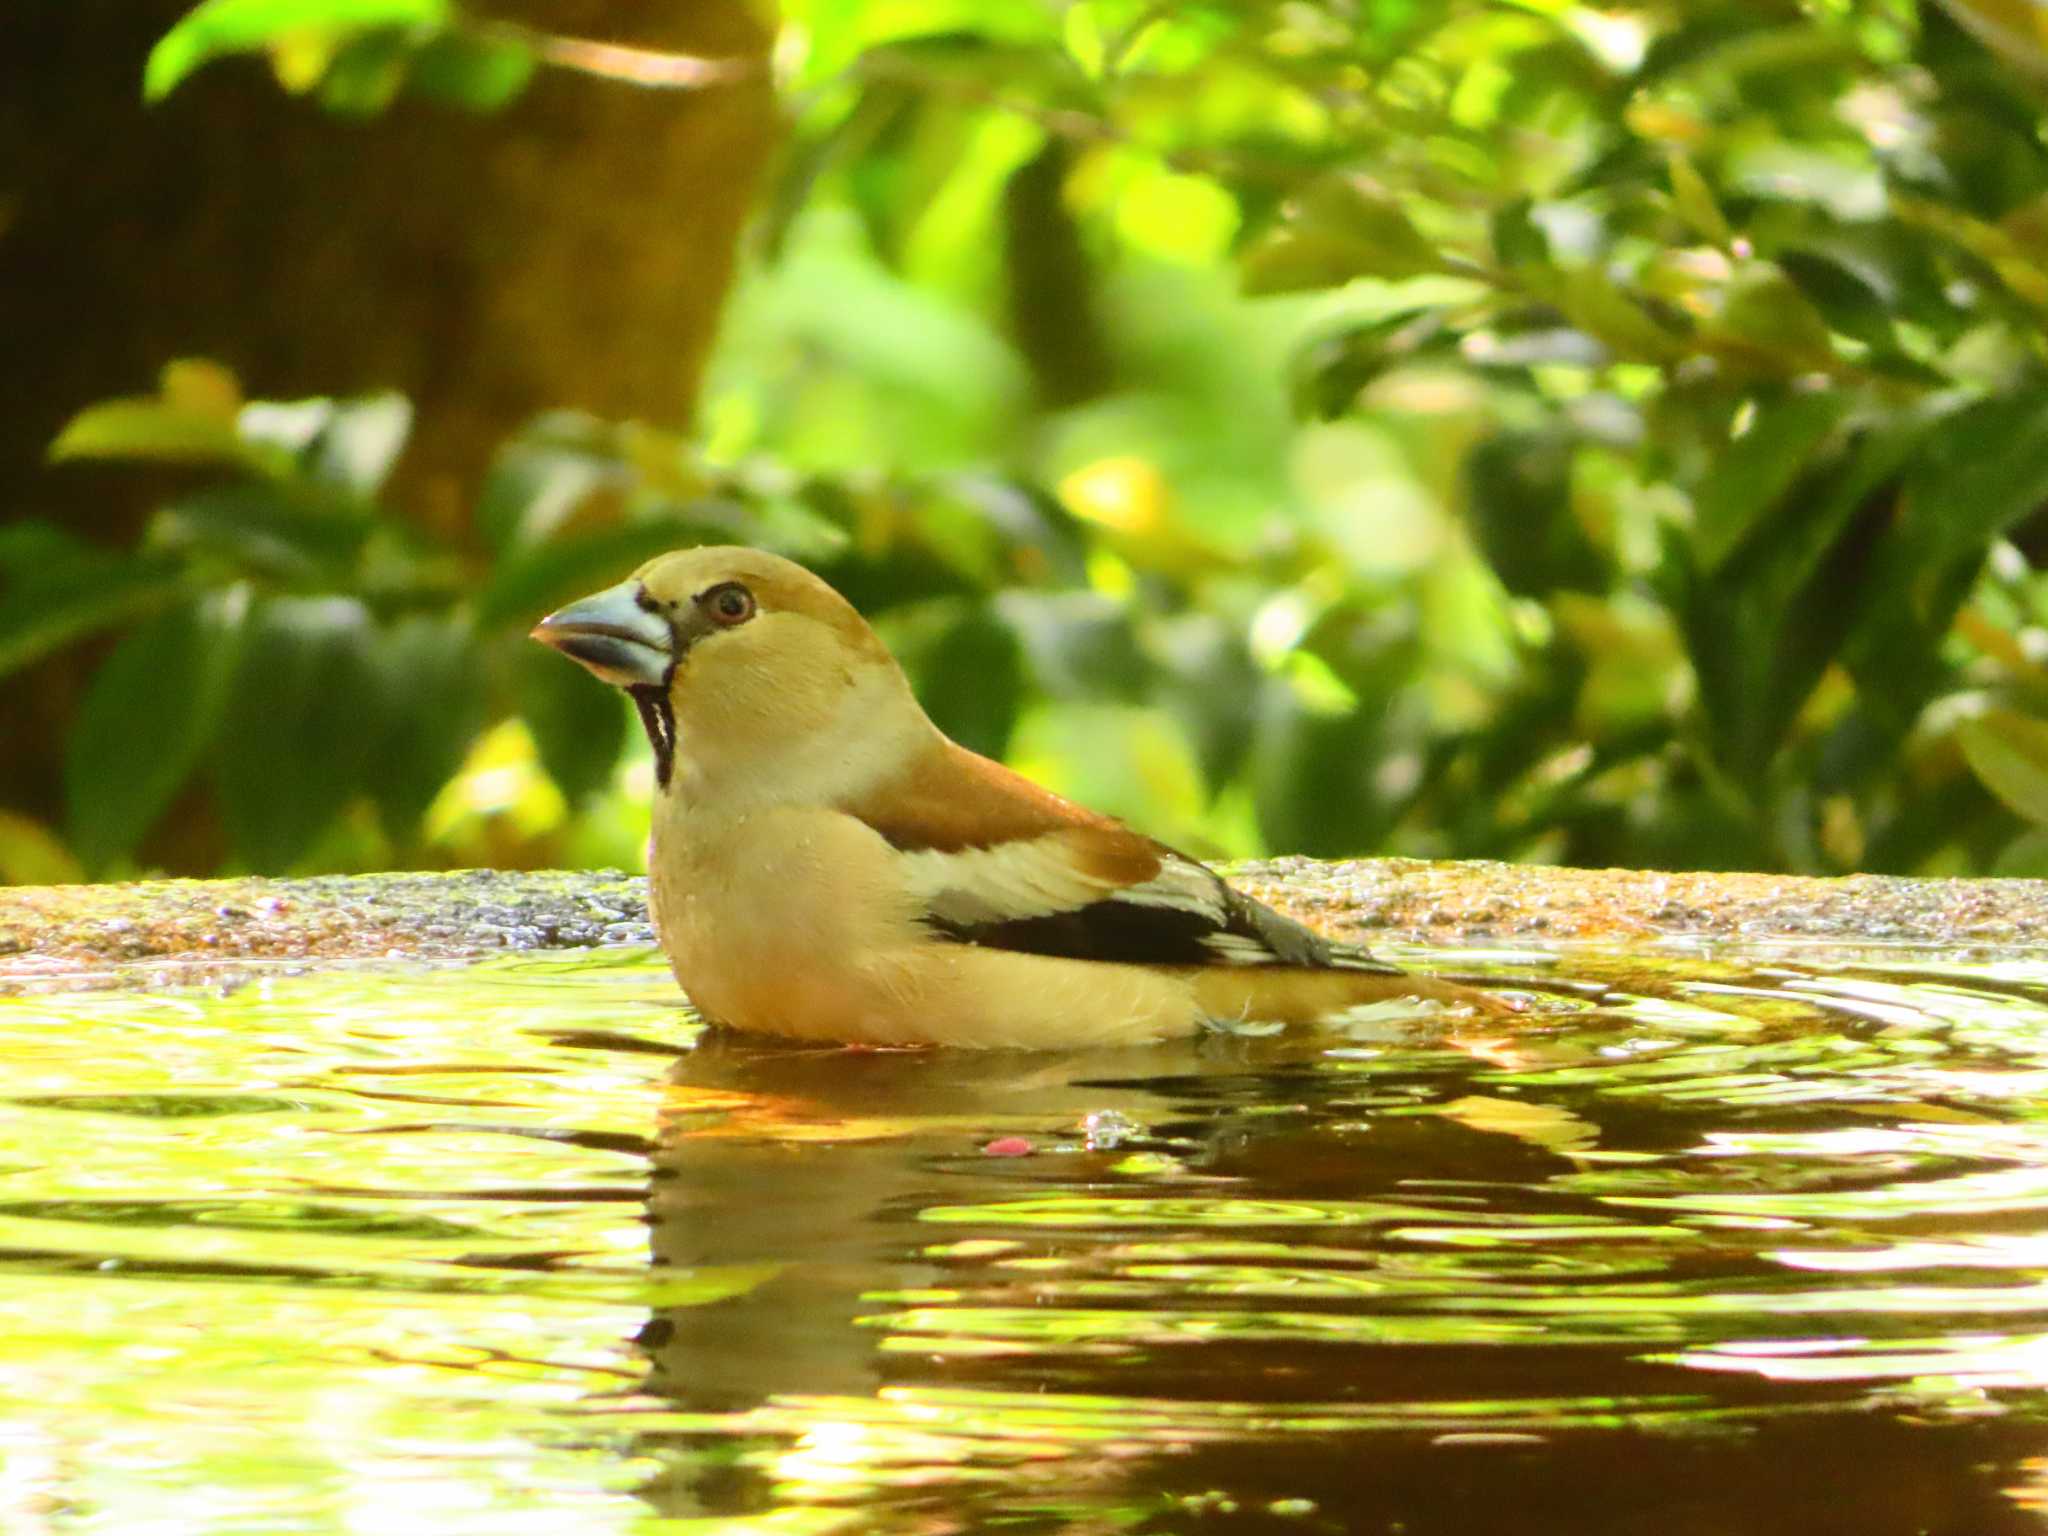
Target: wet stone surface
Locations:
point(57, 931)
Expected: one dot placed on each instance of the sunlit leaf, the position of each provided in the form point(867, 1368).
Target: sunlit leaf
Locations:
point(1602, 308)
point(31, 854)
point(1695, 200)
point(220, 27)
point(157, 431)
point(499, 790)
point(833, 33)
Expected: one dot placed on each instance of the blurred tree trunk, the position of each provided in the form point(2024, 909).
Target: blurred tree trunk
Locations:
point(572, 251)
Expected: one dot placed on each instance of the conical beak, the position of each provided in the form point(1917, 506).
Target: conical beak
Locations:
point(611, 634)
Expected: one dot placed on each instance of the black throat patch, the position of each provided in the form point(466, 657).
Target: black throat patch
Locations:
point(658, 719)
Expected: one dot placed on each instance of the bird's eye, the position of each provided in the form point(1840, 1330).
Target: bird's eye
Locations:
point(729, 604)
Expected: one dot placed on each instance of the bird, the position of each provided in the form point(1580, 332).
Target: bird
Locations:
point(826, 864)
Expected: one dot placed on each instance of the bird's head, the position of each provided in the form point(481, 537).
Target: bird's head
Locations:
point(738, 659)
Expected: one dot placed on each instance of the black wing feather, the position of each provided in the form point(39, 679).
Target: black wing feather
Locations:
point(1151, 933)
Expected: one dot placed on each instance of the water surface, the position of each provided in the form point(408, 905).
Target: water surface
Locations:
point(1740, 1240)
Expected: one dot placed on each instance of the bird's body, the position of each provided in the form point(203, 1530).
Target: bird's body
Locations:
point(826, 864)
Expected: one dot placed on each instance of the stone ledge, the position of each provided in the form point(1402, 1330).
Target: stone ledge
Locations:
point(441, 916)
point(47, 931)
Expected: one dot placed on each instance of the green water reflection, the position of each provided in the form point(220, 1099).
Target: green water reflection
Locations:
point(1756, 1242)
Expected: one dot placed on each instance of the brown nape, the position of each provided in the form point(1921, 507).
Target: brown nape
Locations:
point(951, 799)
point(796, 590)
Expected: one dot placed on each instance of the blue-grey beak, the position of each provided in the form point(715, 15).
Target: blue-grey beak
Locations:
point(611, 634)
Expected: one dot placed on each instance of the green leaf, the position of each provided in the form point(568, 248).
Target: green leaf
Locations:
point(1342, 227)
point(1695, 201)
point(1595, 303)
point(1334, 367)
point(578, 723)
point(972, 682)
point(1080, 645)
point(301, 720)
point(152, 709)
point(220, 27)
point(55, 588)
point(1864, 281)
point(1980, 470)
point(2013, 28)
point(2025, 857)
point(365, 74)
point(1984, 470)
point(1519, 486)
point(284, 531)
point(2009, 752)
point(428, 676)
point(1209, 681)
point(1750, 478)
point(158, 431)
point(480, 74)
point(1312, 776)
point(31, 854)
point(535, 485)
point(348, 445)
point(836, 32)
point(1765, 322)
point(361, 442)
point(1763, 626)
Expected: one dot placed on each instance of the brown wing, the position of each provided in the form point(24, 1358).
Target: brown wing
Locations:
point(1001, 862)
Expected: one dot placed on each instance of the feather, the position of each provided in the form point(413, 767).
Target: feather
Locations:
point(991, 859)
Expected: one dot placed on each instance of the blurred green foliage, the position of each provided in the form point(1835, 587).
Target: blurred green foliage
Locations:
point(1524, 430)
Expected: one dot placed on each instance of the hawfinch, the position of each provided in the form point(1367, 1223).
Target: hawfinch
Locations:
point(826, 864)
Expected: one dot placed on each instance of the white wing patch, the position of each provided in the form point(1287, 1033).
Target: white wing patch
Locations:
point(1032, 877)
point(1059, 894)
point(1037, 877)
